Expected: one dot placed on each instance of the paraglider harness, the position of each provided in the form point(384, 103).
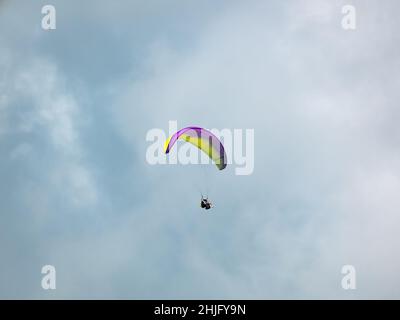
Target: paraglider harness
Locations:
point(205, 204)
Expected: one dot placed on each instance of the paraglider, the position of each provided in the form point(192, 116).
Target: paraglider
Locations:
point(206, 142)
point(205, 204)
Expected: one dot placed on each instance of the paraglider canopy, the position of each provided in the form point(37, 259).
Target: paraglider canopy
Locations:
point(202, 139)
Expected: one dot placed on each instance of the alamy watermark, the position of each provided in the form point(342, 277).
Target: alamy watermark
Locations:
point(238, 145)
point(49, 278)
point(349, 278)
point(349, 20)
point(49, 18)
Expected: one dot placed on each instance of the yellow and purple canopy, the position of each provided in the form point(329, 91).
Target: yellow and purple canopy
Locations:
point(202, 139)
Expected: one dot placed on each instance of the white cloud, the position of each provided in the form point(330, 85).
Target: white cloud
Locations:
point(54, 111)
point(318, 122)
point(324, 190)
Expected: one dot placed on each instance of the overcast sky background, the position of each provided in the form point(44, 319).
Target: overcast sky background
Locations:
point(76, 190)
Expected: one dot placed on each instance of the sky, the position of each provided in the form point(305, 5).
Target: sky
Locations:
point(77, 192)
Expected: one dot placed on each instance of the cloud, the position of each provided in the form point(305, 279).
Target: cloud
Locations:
point(57, 112)
point(322, 102)
point(316, 119)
